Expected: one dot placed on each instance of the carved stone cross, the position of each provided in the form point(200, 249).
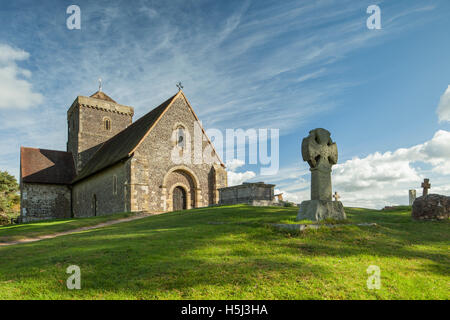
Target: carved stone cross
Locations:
point(426, 185)
point(336, 196)
point(321, 154)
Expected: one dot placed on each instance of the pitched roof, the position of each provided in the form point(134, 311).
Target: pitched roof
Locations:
point(46, 166)
point(123, 144)
point(102, 96)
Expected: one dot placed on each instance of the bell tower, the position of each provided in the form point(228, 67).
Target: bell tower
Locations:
point(91, 121)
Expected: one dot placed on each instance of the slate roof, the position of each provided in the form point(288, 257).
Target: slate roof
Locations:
point(122, 144)
point(102, 96)
point(46, 166)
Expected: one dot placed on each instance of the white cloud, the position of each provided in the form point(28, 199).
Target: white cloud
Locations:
point(15, 89)
point(236, 178)
point(232, 165)
point(287, 196)
point(148, 11)
point(443, 109)
point(381, 179)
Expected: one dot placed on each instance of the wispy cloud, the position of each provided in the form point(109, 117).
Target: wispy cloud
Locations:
point(243, 64)
point(443, 109)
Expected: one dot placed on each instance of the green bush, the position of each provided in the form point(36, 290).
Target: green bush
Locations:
point(9, 198)
point(4, 219)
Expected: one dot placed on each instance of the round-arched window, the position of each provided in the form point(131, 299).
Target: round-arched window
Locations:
point(107, 124)
point(181, 137)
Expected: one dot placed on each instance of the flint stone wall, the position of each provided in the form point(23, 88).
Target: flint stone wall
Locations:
point(151, 181)
point(86, 130)
point(44, 201)
point(431, 207)
point(101, 185)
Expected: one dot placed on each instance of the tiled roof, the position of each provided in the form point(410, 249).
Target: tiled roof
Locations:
point(46, 166)
point(102, 96)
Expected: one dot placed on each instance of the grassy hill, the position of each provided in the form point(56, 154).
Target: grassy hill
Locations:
point(232, 253)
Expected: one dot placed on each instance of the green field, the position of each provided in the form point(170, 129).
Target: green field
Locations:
point(36, 229)
point(231, 253)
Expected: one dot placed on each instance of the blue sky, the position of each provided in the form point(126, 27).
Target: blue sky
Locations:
point(291, 65)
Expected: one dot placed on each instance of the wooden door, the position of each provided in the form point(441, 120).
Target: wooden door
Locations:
point(179, 199)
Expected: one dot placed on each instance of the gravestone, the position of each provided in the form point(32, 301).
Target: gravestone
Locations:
point(412, 196)
point(321, 154)
point(425, 185)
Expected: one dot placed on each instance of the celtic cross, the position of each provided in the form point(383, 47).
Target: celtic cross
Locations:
point(321, 154)
point(426, 185)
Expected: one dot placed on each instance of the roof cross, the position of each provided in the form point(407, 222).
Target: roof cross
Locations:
point(179, 86)
point(336, 196)
point(100, 84)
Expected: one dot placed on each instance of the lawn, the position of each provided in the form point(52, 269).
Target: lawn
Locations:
point(36, 229)
point(232, 253)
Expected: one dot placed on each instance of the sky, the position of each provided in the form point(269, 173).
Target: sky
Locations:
point(384, 94)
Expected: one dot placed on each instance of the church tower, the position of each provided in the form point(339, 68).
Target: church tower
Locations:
point(92, 121)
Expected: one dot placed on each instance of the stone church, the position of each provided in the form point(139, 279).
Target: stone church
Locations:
point(113, 164)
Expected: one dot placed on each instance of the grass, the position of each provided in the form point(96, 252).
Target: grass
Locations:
point(231, 253)
point(36, 229)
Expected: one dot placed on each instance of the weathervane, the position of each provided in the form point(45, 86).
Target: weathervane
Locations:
point(100, 84)
point(179, 86)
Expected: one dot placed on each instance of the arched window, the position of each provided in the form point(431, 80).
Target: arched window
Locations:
point(181, 137)
point(107, 124)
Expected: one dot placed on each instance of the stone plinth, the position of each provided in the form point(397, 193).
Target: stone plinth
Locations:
point(431, 207)
point(317, 210)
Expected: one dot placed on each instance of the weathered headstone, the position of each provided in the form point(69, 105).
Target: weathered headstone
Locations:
point(412, 196)
point(321, 154)
point(425, 185)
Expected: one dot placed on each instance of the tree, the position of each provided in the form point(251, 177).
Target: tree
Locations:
point(8, 191)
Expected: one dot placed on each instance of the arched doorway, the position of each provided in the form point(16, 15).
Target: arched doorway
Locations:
point(186, 179)
point(179, 199)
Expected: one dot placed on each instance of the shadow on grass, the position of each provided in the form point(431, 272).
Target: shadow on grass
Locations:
point(182, 250)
